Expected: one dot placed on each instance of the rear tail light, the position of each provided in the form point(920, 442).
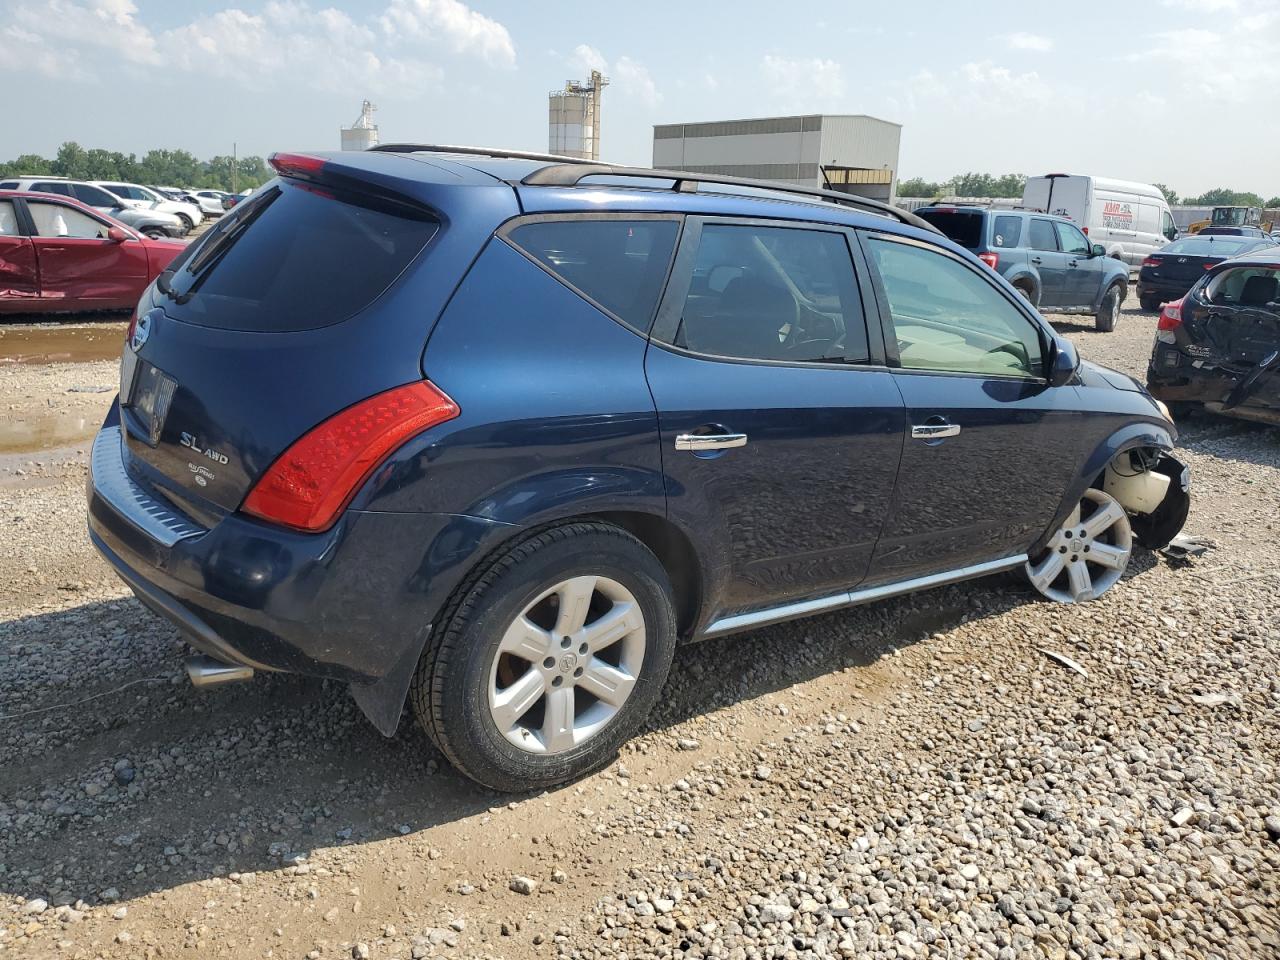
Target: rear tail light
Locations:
point(992, 260)
point(1085, 231)
point(1152, 262)
point(300, 165)
point(312, 482)
point(1211, 264)
point(1170, 316)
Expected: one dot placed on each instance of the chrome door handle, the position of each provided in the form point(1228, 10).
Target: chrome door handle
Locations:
point(710, 441)
point(1036, 260)
point(934, 431)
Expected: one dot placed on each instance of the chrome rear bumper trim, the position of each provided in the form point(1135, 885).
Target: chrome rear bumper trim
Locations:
point(853, 598)
point(112, 482)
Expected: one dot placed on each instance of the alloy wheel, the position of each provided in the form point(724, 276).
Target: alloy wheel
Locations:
point(1088, 553)
point(567, 664)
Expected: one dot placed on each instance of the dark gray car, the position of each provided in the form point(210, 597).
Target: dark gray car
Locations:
point(1048, 259)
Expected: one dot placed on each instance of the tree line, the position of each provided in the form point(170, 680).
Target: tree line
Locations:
point(165, 168)
point(1012, 184)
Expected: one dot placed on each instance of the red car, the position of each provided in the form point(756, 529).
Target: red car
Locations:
point(56, 254)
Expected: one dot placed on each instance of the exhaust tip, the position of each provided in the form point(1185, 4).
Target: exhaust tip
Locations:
point(205, 671)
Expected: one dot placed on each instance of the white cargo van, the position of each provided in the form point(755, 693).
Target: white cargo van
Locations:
point(1129, 219)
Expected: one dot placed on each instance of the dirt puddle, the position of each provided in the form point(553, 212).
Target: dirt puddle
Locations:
point(37, 432)
point(82, 343)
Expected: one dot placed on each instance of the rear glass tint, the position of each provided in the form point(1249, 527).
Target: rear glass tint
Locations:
point(292, 258)
point(964, 227)
point(1206, 247)
point(619, 264)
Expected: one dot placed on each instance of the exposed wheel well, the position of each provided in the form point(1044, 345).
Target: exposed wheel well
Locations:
point(674, 551)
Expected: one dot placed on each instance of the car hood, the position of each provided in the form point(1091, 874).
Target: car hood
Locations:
point(1095, 375)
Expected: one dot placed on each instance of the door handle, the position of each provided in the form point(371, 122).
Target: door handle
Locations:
point(939, 429)
point(1071, 263)
point(710, 441)
point(1036, 260)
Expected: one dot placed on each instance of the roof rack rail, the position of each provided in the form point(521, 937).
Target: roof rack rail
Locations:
point(496, 152)
point(571, 174)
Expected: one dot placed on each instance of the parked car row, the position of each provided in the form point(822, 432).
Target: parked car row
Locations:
point(156, 224)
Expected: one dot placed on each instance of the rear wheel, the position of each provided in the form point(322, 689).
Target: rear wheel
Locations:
point(1087, 555)
point(187, 224)
point(1028, 292)
point(549, 658)
point(1109, 310)
point(1150, 304)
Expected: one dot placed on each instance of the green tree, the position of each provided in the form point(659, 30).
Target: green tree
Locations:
point(72, 161)
point(919, 187)
point(27, 163)
point(1170, 196)
point(1273, 202)
point(1226, 197)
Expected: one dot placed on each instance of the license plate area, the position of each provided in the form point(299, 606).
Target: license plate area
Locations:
point(150, 398)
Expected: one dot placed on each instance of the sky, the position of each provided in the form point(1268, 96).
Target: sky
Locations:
point(1181, 92)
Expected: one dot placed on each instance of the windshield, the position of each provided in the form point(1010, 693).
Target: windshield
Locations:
point(1206, 247)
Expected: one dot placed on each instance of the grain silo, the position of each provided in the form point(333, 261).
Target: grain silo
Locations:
point(574, 118)
point(362, 134)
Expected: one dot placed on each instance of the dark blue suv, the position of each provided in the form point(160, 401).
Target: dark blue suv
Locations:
point(492, 433)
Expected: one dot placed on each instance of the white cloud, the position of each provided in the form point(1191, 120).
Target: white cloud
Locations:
point(634, 80)
point(628, 76)
point(587, 58)
point(70, 38)
point(465, 29)
point(804, 81)
point(1027, 41)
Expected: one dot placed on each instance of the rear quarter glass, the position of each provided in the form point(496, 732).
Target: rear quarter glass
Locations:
point(295, 258)
point(964, 227)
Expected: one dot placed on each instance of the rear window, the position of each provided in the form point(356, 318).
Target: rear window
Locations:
point(964, 227)
point(1206, 247)
point(618, 264)
point(292, 258)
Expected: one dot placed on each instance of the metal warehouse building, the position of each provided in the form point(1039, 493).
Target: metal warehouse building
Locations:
point(857, 153)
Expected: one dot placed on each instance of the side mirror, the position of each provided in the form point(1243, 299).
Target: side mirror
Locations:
point(117, 234)
point(1064, 361)
point(1097, 250)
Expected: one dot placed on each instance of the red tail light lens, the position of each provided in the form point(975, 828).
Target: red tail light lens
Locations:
point(312, 482)
point(992, 260)
point(297, 165)
point(1085, 231)
point(1170, 316)
point(1152, 262)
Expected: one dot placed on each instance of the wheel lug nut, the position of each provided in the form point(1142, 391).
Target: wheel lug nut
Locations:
point(1062, 549)
point(583, 649)
point(565, 642)
point(556, 681)
point(549, 662)
point(578, 672)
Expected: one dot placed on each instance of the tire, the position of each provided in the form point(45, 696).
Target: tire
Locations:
point(491, 709)
point(155, 233)
point(1109, 310)
point(187, 225)
point(1150, 304)
point(1027, 292)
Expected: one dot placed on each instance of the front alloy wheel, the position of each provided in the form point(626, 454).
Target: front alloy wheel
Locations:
point(567, 664)
point(1087, 555)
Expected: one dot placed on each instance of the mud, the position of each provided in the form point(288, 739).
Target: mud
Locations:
point(79, 343)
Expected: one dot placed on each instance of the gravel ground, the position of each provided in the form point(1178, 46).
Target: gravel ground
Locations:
point(915, 779)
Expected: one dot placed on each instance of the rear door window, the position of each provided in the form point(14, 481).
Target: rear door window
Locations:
point(8, 220)
point(1007, 232)
point(1042, 236)
point(292, 258)
point(48, 186)
point(773, 293)
point(93, 196)
point(619, 265)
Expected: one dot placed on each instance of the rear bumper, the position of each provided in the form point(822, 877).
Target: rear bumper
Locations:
point(1163, 289)
point(1210, 387)
point(354, 603)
